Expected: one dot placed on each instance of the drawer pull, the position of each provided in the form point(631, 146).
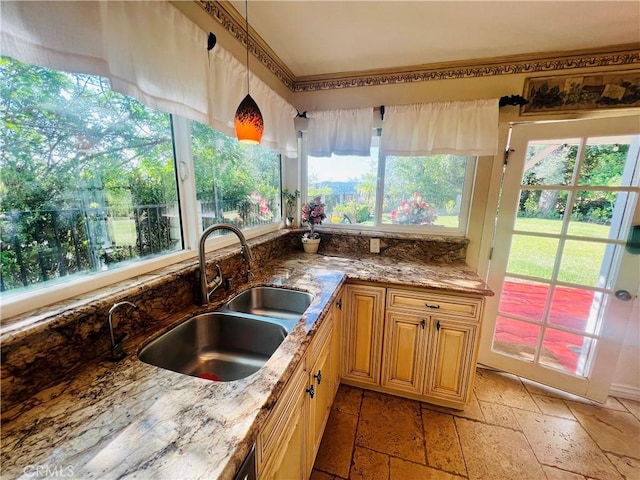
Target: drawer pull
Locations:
point(311, 391)
point(434, 306)
point(318, 376)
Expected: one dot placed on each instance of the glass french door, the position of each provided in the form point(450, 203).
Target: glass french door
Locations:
point(568, 198)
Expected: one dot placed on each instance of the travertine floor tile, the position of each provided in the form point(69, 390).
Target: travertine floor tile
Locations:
point(496, 453)
point(318, 475)
point(472, 411)
point(334, 454)
point(631, 405)
point(552, 406)
point(629, 468)
point(563, 443)
point(403, 470)
point(443, 446)
point(391, 425)
point(369, 465)
point(614, 431)
point(500, 415)
point(348, 399)
point(557, 474)
point(503, 388)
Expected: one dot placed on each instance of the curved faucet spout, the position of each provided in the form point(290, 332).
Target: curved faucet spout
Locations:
point(117, 351)
point(245, 251)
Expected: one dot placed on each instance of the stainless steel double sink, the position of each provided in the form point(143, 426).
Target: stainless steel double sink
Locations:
point(232, 342)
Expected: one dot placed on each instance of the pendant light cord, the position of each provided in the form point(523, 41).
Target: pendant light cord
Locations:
point(246, 18)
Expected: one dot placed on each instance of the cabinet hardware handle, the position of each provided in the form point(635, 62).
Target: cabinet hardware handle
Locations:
point(311, 391)
point(318, 376)
point(339, 304)
point(438, 325)
point(435, 307)
point(423, 323)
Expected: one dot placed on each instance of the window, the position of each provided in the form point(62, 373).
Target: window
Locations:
point(88, 182)
point(235, 183)
point(405, 194)
point(425, 191)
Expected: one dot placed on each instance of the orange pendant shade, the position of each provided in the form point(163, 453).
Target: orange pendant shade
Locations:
point(248, 122)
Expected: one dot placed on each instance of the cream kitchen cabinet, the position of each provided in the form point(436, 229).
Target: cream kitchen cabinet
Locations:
point(362, 326)
point(281, 444)
point(320, 387)
point(430, 345)
point(427, 349)
point(288, 443)
point(451, 367)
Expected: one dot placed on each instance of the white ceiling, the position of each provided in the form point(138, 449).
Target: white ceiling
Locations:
point(328, 37)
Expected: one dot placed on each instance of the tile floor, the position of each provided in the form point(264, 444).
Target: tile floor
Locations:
point(513, 429)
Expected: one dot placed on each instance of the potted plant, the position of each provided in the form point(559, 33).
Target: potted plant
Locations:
point(313, 214)
point(290, 200)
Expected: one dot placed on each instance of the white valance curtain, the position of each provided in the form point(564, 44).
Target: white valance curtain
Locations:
point(340, 132)
point(150, 51)
point(459, 128)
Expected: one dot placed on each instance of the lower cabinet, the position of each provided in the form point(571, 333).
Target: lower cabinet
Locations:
point(288, 443)
point(429, 346)
point(363, 324)
point(281, 444)
point(405, 348)
point(452, 360)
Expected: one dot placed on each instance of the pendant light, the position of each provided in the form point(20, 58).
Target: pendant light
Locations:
point(248, 119)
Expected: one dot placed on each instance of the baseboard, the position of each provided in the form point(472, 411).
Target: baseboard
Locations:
point(625, 391)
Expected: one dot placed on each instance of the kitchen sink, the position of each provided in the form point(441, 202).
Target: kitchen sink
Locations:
point(220, 346)
point(280, 303)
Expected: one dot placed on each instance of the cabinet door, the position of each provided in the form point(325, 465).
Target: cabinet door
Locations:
point(336, 342)
point(363, 334)
point(290, 462)
point(404, 352)
point(451, 360)
point(276, 430)
point(321, 392)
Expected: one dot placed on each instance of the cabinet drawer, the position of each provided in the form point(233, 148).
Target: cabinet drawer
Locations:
point(435, 303)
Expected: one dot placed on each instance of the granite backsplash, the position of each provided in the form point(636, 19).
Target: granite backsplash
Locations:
point(43, 347)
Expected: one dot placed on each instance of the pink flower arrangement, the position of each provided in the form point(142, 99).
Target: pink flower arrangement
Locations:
point(313, 214)
point(414, 212)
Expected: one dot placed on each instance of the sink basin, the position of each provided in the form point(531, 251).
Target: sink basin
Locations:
point(216, 346)
point(280, 303)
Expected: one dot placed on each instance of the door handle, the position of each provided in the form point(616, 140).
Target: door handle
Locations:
point(623, 295)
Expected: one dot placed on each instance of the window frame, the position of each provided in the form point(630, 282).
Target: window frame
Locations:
point(31, 299)
point(378, 226)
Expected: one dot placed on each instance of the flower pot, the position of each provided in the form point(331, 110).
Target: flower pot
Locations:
point(311, 245)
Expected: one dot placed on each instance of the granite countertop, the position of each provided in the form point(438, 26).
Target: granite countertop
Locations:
point(132, 420)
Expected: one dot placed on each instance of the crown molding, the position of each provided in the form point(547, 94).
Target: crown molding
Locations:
point(229, 18)
point(508, 65)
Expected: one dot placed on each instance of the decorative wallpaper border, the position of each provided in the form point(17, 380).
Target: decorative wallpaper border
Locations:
point(229, 18)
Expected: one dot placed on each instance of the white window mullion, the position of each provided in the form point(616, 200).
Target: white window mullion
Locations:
point(189, 212)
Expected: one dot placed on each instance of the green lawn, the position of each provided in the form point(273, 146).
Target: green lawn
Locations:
point(535, 256)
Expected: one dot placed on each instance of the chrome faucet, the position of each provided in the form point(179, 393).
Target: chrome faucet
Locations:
point(206, 287)
point(117, 352)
